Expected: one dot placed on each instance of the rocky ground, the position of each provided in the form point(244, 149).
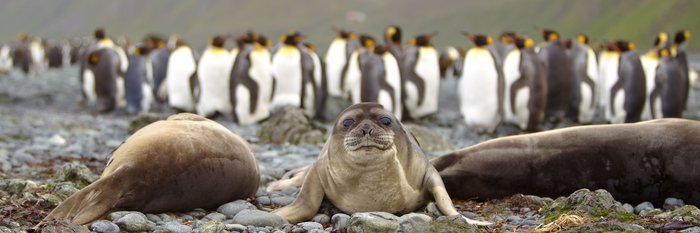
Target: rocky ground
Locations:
point(50, 147)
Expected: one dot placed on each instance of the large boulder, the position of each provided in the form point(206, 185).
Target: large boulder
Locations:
point(290, 125)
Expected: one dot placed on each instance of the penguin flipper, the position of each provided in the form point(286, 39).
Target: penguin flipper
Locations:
point(88, 204)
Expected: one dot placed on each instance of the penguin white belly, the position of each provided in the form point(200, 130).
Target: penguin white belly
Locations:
point(335, 61)
point(286, 70)
point(120, 95)
point(243, 106)
point(605, 64)
point(384, 98)
point(352, 79)
point(619, 105)
point(478, 90)
point(5, 59)
point(522, 97)
point(309, 100)
point(177, 79)
point(511, 73)
point(261, 72)
point(428, 69)
point(147, 97)
point(214, 75)
point(37, 53)
point(587, 107)
point(393, 78)
point(611, 77)
point(649, 64)
point(89, 87)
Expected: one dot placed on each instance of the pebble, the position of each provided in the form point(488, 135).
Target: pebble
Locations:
point(691, 230)
point(57, 140)
point(174, 227)
point(643, 206)
point(235, 227)
point(470, 215)
point(264, 200)
point(671, 204)
point(340, 221)
point(322, 219)
point(258, 218)
point(414, 222)
point(629, 208)
point(214, 217)
point(290, 191)
point(514, 219)
point(212, 227)
point(135, 222)
point(373, 221)
point(116, 215)
point(232, 208)
point(153, 218)
point(308, 226)
point(433, 210)
point(104, 226)
point(283, 200)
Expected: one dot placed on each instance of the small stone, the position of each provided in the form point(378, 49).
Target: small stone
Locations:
point(232, 208)
point(274, 172)
point(198, 213)
point(373, 222)
point(264, 200)
point(470, 215)
point(215, 216)
point(308, 226)
point(153, 218)
point(643, 206)
point(340, 222)
point(248, 217)
point(76, 173)
point(57, 140)
point(283, 200)
point(650, 212)
point(135, 222)
point(290, 191)
point(514, 219)
point(691, 230)
point(212, 227)
point(684, 211)
point(414, 222)
point(433, 210)
point(116, 215)
point(166, 217)
point(322, 219)
point(174, 227)
point(671, 203)
point(235, 227)
point(629, 208)
point(104, 226)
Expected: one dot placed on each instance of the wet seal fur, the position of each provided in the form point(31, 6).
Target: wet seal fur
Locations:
point(179, 164)
point(369, 163)
point(635, 162)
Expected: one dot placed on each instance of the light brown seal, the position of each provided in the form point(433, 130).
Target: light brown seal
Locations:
point(369, 163)
point(647, 161)
point(179, 164)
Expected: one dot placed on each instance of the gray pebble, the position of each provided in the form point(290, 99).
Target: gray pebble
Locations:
point(262, 191)
point(671, 204)
point(235, 227)
point(629, 208)
point(135, 222)
point(283, 200)
point(232, 208)
point(340, 221)
point(414, 222)
point(258, 218)
point(114, 216)
point(212, 227)
point(375, 221)
point(166, 217)
point(198, 213)
point(174, 227)
point(643, 206)
point(322, 219)
point(433, 210)
point(310, 226)
point(529, 222)
point(274, 172)
point(290, 191)
point(214, 216)
point(264, 200)
point(514, 219)
point(691, 230)
point(470, 215)
point(104, 226)
point(153, 218)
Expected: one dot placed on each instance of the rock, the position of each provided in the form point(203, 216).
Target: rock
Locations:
point(282, 200)
point(429, 140)
point(214, 217)
point(290, 125)
point(4, 229)
point(309, 226)
point(340, 222)
point(17, 186)
point(173, 227)
point(248, 217)
point(62, 190)
point(608, 226)
point(684, 211)
point(452, 224)
point(153, 218)
point(143, 120)
point(433, 210)
point(513, 219)
point(57, 140)
point(650, 212)
point(322, 219)
point(232, 208)
point(414, 222)
point(290, 191)
point(691, 230)
point(116, 215)
point(21, 157)
point(274, 172)
point(212, 227)
point(135, 222)
point(629, 208)
point(373, 222)
point(264, 200)
point(104, 226)
point(470, 215)
point(61, 226)
point(643, 206)
point(597, 203)
point(671, 203)
point(236, 227)
point(75, 173)
point(334, 106)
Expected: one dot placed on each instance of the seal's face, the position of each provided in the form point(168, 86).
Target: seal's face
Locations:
point(366, 128)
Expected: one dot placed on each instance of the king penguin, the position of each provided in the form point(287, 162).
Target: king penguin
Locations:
point(420, 74)
point(678, 48)
point(625, 85)
point(650, 64)
point(21, 57)
point(214, 75)
point(525, 94)
point(292, 69)
point(320, 80)
point(674, 85)
point(584, 72)
point(159, 58)
point(137, 90)
point(353, 79)
point(251, 79)
point(381, 79)
point(336, 60)
point(181, 77)
point(100, 80)
point(560, 85)
point(392, 38)
point(481, 86)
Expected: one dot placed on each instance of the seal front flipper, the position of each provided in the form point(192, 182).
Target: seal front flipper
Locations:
point(443, 200)
point(307, 202)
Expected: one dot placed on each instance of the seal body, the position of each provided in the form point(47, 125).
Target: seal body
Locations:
point(178, 164)
point(635, 162)
point(369, 163)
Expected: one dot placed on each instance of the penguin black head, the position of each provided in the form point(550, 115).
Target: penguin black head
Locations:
point(218, 41)
point(392, 34)
point(508, 37)
point(479, 40)
point(582, 38)
point(99, 33)
point(263, 41)
point(292, 38)
point(310, 47)
point(524, 42)
point(367, 41)
point(423, 40)
point(549, 35)
point(661, 40)
point(342, 33)
point(681, 36)
point(625, 46)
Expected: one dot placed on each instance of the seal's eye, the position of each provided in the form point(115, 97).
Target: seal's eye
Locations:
point(385, 121)
point(347, 123)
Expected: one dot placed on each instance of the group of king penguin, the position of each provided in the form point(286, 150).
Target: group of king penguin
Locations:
point(512, 80)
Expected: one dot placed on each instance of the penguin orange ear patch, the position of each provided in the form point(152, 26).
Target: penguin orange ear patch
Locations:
point(93, 58)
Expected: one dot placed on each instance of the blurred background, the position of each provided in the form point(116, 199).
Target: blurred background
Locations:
point(196, 21)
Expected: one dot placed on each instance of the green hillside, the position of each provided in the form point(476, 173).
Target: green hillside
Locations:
point(198, 20)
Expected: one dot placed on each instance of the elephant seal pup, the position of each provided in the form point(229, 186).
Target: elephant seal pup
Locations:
point(179, 164)
point(638, 162)
point(369, 163)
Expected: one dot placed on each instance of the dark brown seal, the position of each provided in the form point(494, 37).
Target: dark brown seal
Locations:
point(179, 164)
point(638, 162)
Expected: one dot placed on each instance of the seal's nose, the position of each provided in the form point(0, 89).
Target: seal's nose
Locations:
point(367, 130)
